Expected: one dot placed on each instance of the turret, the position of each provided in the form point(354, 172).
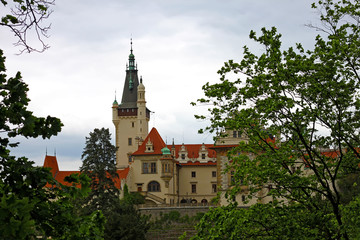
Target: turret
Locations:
point(167, 166)
point(142, 128)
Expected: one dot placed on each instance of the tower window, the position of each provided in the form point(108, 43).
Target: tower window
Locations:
point(129, 141)
point(132, 124)
point(214, 188)
point(193, 174)
point(193, 188)
point(213, 173)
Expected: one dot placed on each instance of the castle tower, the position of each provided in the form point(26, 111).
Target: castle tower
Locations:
point(142, 121)
point(130, 117)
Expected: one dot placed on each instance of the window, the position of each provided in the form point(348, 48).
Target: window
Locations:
point(214, 188)
point(153, 167)
point(213, 173)
point(243, 198)
point(132, 124)
point(182, 156)
point(145, 168)
point(193, 188)
point(149, 167)
point(193, 174)
point(129, 158)
point(234, 134)
point(153, 186)
point(166, 168)
point(239, 134)
point(129, 141)
point(203, 156)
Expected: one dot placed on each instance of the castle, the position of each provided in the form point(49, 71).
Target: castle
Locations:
point(164, 174)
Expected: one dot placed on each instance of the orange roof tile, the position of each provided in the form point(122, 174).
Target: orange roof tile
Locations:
point(197, 163)
point(157, 141)
point(51, 162)
point(194, 149)
point(332, 154)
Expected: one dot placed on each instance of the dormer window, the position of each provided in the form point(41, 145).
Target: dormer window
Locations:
point(149, 147)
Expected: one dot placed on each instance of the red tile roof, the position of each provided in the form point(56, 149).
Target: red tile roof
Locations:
point(157, 141)
point(51, 162)
point(197, 163)
point(194, 149)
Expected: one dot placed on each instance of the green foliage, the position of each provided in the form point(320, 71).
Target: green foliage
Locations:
point(99, 163)
point(27, 208)
point(349, 187)
point(123, 221)
point(26, 16)
point(133, 198)
point(32, 203)
point(292, 104)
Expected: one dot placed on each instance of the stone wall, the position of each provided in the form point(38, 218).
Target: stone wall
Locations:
point(156, 212)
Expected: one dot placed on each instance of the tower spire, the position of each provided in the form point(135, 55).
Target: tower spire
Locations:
point(131, 50)
point(131, 57)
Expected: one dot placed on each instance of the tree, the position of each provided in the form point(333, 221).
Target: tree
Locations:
point(27, 15)
point(125, 222)
point(27, 208)
point(99, 163)
point(309, 100)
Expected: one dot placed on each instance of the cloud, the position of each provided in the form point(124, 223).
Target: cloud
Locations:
point(178, 45)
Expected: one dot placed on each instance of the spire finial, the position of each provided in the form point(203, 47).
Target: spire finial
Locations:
point(131, 50)
point(140, 79)
point(131, 57)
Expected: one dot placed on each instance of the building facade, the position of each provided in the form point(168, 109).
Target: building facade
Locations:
point(164, 174)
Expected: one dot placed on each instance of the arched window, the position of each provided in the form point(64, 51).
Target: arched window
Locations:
point(153, 186)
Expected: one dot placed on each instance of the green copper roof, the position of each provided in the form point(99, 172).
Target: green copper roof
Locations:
point(165, 151)
point(115, 102)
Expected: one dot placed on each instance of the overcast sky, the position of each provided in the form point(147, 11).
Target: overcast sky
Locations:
point(178, 45)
